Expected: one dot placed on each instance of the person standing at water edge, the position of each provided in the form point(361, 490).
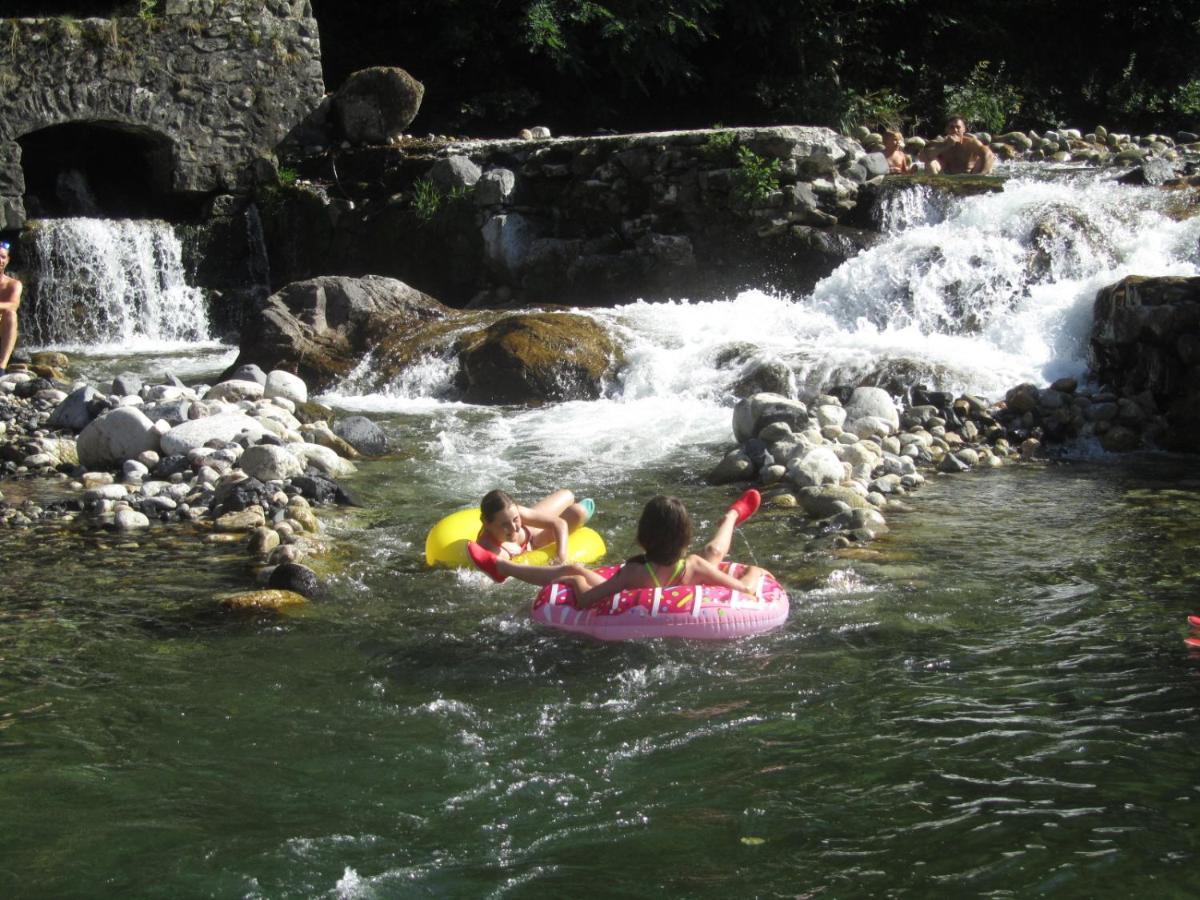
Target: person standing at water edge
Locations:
point(958, 153)
point(10, 301)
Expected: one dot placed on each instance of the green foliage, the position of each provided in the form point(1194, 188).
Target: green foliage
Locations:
point(720, 144)
point(756, 177)
point(428, 202)
point(986, 100)
point(288, 176)
point(1132, 95)
point(426, 199)
point(1186, 100)
point(147, 9)
point(641, 41)
point(881, 108)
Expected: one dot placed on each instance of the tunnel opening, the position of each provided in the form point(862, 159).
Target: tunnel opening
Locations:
point(101, 170)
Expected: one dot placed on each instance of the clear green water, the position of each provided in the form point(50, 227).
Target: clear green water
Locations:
point(998, 703)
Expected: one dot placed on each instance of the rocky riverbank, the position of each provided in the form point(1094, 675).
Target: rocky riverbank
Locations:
point(246, 461)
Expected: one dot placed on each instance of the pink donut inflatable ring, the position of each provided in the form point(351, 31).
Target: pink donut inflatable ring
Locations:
point(702, 611)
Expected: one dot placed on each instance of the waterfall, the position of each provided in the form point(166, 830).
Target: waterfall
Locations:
point(110, 282)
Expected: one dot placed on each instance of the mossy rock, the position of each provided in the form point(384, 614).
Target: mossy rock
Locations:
point(271, 599)
point(954, 185)
point(536, 357)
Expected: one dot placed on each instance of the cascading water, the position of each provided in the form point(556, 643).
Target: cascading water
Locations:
point(974, 294)
point(111, 283)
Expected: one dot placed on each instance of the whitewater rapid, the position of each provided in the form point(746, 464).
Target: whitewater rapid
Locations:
point(975, 295)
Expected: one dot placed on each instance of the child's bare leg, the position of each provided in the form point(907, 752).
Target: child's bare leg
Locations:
point(718, 545)
point(561, 504)
point(752, 579)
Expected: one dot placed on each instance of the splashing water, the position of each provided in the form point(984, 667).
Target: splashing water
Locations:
point(973, 295)
point(116, 283)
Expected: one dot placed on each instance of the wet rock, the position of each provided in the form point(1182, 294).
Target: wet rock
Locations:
point(323, 327)
point(77, 410)
point(362, 434)
point(537, 357)
point(127, 519)
point(874, 403)
point(198, 432)
point(756, 412)
point(285, 385)
point(262, 600)
point(816, 467)
point(115, 436)
point(300, 579)
point(734, 467)
point(270, 463)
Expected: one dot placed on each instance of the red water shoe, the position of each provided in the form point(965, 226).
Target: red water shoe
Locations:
point(746, 505)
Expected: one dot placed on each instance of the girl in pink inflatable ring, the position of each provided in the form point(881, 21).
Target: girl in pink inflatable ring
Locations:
point(664, 532)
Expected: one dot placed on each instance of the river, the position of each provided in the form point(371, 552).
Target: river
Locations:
point(993, 699)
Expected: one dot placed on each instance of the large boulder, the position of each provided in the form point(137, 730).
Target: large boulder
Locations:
point(530, 358)
point(198, 432)
point(116, 436)
point(376, 104)
point(872, 402)
point(362, 434)
point(756, 412)
point(323, 327)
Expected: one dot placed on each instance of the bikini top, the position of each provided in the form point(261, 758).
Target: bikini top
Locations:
point(670, 581)
point(524, 544)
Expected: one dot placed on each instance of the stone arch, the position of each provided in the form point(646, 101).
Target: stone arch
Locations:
point(219, 82)
point(100, 167)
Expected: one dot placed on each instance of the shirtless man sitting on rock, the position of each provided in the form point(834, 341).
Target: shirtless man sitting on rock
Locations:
point(958, 153)
point(10, 301)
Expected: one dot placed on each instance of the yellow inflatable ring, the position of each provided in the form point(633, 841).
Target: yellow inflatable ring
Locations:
point(446, 544)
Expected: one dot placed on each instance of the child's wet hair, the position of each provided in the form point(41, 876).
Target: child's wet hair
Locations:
point(664, 530)
point(492, 503)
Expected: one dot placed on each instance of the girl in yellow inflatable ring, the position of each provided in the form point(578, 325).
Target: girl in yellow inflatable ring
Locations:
point(510, 529)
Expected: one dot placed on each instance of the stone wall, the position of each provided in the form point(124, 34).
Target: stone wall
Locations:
point(579, 221)
point(211, 85)
point(1145, 345)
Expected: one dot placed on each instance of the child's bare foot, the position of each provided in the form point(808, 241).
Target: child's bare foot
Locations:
point(485, 560)
point(746, 505)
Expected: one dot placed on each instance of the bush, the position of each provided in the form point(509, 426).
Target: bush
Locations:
point(985, 99)
point(1186, 100)
point(874, 109)
point(757, 177)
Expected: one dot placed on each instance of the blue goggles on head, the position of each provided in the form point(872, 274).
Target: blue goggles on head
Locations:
point(5, 245)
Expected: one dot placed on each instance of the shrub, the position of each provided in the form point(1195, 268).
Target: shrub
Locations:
point(1186, 100)
point(756, 177)
point(985, 99)
point(874, 109)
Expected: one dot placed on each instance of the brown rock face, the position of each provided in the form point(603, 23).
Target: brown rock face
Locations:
point(323, 327)
point(531, 358)
point(376, 104)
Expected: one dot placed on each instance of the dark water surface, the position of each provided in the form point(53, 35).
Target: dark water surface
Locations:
point(998, 702)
